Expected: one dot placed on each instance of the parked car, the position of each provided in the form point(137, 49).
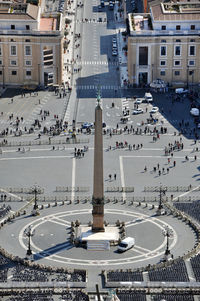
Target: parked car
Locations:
point(181, 91)
point(138, 101)
point(138, 111)
point(87, 125)
point(148, 97)
point(194, 112)
point(154, 110)
point(114, 40)
point(114, 52)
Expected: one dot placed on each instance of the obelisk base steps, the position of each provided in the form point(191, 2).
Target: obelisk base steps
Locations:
point(98, 240)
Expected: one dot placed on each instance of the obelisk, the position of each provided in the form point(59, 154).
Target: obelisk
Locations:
point(98, 187)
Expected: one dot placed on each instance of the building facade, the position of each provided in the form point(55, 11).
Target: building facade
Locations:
point(165, 44)
point(30, 46)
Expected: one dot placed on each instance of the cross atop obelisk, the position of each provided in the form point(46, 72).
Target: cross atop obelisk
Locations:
point(98, 187)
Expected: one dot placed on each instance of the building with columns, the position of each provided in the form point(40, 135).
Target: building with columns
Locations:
point(165, 44)
point(31, 45)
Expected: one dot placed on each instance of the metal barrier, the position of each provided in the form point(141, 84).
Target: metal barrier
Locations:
point(107, 199)
point(170, 188)
point(119, 189)
point(22, 190)
point(70, 189)
point(50, 141)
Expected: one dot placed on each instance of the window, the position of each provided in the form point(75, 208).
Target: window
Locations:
point(163, 41)
point(163, 27)
point(177, 50)
point(0, 51)
point(14, 72)
point(192, 27)
point(0, 72)
point(162, 63)
point(178, 41)
point(191, 72)
point(192, 50)
point(27, 50)
point(13, 63)
point(192, 40)
point(28, 63)
point(27, 27)
point(28, 73)
point(12, 26)
point(177, 63)
point(143, 56)
point(13, 50)
point(162, 73)
point(163, 50)
point(178, 27)
point(0, 62)
point(176, 73)
point(27, 40)
point(191, 63)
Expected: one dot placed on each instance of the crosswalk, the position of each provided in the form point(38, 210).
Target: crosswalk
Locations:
point(95, 21)
point(96, 87)
point(125, 107)
point(104, 63)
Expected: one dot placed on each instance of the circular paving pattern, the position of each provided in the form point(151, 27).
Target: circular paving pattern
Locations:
point(139, 253)
point(51, 245)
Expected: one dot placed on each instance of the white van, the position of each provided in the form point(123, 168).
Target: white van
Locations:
point(126, 244)
point(148, 97)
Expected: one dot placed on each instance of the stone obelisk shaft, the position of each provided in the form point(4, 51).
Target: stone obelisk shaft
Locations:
point(98, 187)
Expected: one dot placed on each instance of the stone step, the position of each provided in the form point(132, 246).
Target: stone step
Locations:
point(98, 245)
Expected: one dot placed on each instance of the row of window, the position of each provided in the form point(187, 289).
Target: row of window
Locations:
point(14, 72)
point(12, 26)
point(177, 50)
point(176, 72)
point(177, 63)
point(15, 63)
point(13, 50)
point(178, 27)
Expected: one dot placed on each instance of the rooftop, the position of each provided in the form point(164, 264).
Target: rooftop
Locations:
point(175, 11)
point(48, 24)
point(19, 11)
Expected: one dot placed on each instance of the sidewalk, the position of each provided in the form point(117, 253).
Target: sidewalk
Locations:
point(122, 44)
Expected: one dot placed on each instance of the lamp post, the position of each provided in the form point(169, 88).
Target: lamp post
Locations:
point(35, 190)
point(29, 233)
point(167, 232)
point(192, 78)
point(160, 205)
point(3, 76)
point(152, 66)
point(38, 74)
point(187, 76)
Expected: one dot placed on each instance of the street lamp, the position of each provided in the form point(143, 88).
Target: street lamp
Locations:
point(160, 205)
point(3, 76)
point(152, 66)
point(35, 190)
point(167, 232)
point(38, 74)
point(187, 76)
point(29, 233)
